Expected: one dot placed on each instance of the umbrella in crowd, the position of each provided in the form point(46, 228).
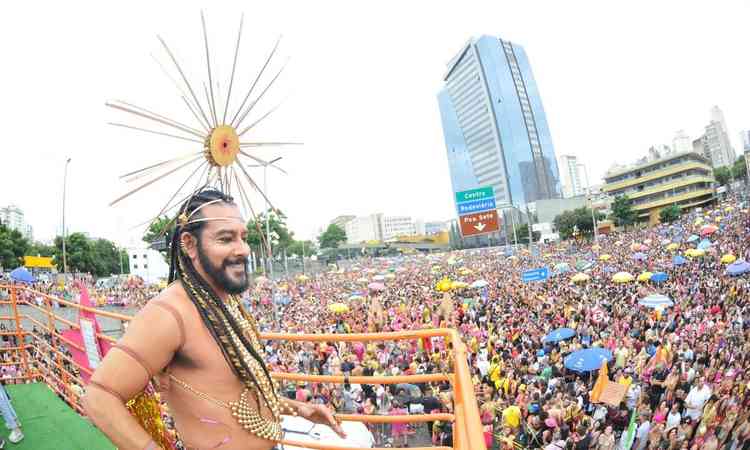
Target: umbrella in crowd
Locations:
point(659, 277)
point(738, 267)
point(728, 259)
point(562, 268)
point(695, 253)
point(678, 260)
point(705, 244)
point(673, 246)
point(376, 287)
point(640, 256)
point(22, 275)
point(622, 277)
point(693, 238)
point(605, 257)
point(338, 308)
point(479, 284)
point(588, 359)
point(610, 269)
point(656, 301)
point(558, 335)
point(580, 278)
point(709, 230)
point(584, 265)
point(645, 276)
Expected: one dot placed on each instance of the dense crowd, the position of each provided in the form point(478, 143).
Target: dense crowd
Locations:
point(685, 368)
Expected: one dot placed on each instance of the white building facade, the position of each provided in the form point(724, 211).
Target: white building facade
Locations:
point(147, 263)
point(716, 145)
point(570, 176)
point(12, 217)
point(395, 226)
point(364, 228)
point(682, 142)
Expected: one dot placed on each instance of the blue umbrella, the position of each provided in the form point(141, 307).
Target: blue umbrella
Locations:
point(562, 268)
point(588, 359)
point(22, 275)
point(656, 301)
point(736, 268)
point(640, 256)
point(610, 269)
point(659, 277)
point(558, 335)
point(678, 260)
point(693, 238)
point(704, 244)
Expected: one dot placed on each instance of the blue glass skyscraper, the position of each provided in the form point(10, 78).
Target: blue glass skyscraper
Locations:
point(495, 129)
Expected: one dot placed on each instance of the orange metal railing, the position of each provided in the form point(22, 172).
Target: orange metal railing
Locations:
point(467, 427)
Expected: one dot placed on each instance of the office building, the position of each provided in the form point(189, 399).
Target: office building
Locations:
point(745, 139)
point(395, 226)
point(364, 228)
point(341, 221)
point(147, 263)
point(494, 125)
point(571, 177)
point(685, 179)
point(12, 217)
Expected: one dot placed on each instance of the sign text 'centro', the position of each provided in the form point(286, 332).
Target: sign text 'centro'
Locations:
point(475, 194)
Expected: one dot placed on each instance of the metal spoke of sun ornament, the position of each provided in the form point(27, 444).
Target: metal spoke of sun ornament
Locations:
point(212, 126)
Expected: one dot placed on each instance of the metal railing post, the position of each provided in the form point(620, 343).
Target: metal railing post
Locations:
point(54, 339)
point(20, 336)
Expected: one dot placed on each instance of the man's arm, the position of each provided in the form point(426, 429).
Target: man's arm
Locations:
point(152, 338)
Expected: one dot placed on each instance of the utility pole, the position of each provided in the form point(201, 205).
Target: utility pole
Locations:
point(303, 257)
point(64, 232)
point(591, 202)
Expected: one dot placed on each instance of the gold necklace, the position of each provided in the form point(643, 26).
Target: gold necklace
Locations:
point(247, 416)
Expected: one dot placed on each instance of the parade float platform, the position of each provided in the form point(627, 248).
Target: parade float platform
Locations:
point(49, 424)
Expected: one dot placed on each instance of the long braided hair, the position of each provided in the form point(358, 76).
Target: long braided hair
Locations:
point(212, 309)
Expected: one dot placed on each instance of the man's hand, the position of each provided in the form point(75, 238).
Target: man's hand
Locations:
point(322, 415)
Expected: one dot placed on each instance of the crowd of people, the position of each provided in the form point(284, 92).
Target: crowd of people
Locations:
point(685, 368)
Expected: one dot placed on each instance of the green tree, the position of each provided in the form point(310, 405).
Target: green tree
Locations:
point(580, 218)
point(13, 246)
point(722, 175)
point(99, 257)
point(670, 213)
point(332, 236)
point(522, 232)
point(156, 229)
point(280, 236)
point(739, 169)
point(39, 249)
point(622, 211)
point(302, 247)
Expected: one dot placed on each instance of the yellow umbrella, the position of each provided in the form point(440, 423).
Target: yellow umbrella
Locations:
point(580, 278)
point(605, 257)
point(303, 278)
point(673, 246)
point(729, 209)
point(645, 276)
point(622, 277)
point(444, 285)
point(728, 259)
point(718, 218)
point(459, 285)
point(596, 247)
point(698, 221)
point(338, 308)
point(695, 253)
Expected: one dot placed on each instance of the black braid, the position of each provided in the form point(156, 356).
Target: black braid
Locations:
point(215, 310)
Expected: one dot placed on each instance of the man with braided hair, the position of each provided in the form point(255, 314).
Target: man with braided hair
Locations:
point(200, 346)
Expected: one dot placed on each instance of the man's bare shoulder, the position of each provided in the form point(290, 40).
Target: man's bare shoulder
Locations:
point(174, 295)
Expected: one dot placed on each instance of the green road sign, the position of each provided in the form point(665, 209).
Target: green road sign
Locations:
point(475, 194)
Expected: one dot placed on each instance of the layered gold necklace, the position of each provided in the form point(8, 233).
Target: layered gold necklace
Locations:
point(249, 417)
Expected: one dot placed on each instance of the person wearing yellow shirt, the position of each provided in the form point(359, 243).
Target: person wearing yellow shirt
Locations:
point(512, 416)
point(625, 380)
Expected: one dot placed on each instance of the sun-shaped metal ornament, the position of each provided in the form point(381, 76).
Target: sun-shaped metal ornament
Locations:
point(218, 158)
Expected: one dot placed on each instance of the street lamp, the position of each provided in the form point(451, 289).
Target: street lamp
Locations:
point(591, 200)
point(64, 233)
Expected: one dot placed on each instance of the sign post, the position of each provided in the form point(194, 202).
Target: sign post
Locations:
point(477, 211)
point(539, 274)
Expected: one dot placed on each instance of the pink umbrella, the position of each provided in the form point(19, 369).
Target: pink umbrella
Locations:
point(376, 286)
point(709, 230)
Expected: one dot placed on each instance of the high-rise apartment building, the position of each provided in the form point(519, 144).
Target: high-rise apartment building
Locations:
point(494, 125)
point(716, 145)
point(570, 176)
point(12, 217)
point(745, 139)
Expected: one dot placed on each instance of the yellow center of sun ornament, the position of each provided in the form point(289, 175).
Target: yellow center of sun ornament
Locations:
point(222, 146)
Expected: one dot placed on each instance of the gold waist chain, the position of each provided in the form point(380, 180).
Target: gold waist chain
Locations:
point(247, 416)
